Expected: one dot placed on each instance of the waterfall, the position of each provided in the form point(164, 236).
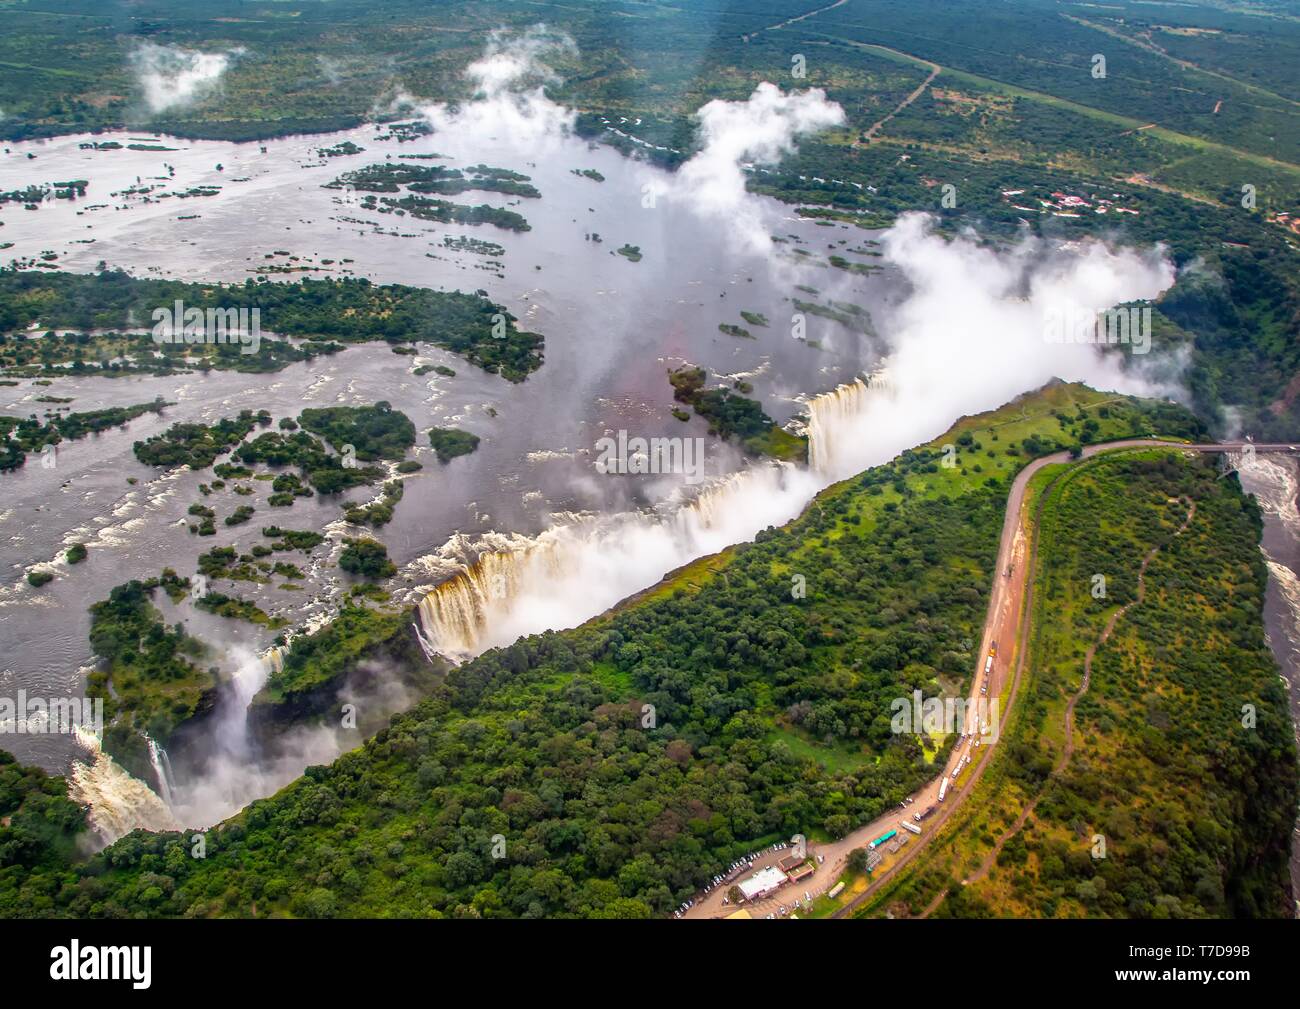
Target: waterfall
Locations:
point(455, 614)
point(118, 803)
point(251, 674)
point(512, 586)
point(162, 769)
point(835, 448)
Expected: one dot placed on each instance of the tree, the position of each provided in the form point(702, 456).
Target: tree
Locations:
point(366, 557)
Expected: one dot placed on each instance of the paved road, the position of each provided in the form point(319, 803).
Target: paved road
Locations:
point(1007, 613)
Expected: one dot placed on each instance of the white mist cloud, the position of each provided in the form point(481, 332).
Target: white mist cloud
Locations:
point(396, 101)
point(971, 334)
point(171, 77)
point(236, 772)
point(509, 100)
point(762, 130)
point(339, 70)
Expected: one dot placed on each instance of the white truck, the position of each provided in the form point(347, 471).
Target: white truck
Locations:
point(909, 826)
point(943, 789)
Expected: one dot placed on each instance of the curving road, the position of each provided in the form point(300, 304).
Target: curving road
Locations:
point(1006, 623)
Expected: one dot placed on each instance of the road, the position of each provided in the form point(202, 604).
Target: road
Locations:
point(790, 21)
point(876, 127)
point(1004, 623)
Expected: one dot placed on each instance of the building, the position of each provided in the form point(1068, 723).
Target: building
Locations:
point(762, 883)
point(801, 871)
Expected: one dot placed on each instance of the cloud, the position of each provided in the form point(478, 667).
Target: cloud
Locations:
point(971, 332)
point(509, 81)
point(396, 101)
point(170, 77)
point(339, 70)
point(762, 130)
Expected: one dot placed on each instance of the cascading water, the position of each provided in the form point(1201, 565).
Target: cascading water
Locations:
point(162, 769)
point(118, 803)
point(834, 452)
point(577, 570)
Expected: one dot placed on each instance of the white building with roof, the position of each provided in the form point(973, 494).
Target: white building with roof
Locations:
point(762, 883)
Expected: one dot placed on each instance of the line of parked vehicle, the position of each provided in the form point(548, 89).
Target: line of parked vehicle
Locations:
point(739, 866)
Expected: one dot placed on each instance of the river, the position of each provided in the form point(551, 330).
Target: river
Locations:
point(1275, 482)
point(613, 328)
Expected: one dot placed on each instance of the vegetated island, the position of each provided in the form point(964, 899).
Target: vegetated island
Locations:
point(18, 435)
point(732, 415)
point(391, 177)
point(350, 310)
point(449, 442)
point(151, 677)
point(358, 438)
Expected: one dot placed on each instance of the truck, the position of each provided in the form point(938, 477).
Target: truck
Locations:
point(943, 789)
point(909, 826)
point(988, 665)
point(882, 839)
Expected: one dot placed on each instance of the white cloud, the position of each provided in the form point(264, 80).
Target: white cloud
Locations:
point(971, 333)
point(509, 100)
point(170, 77)
point(762, 130)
